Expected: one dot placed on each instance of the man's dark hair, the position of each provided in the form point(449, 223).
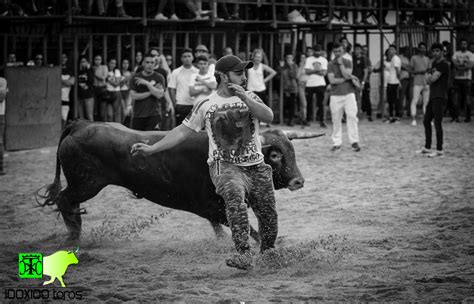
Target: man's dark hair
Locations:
point(186, 50)
point(463, 39)
point(148, 55)
point(202, 58)
point(421, 43)
point(343, 38)
point(437, 46)
point(357, 45)
point(392, 46)
point(317, 48)
point(336, 45)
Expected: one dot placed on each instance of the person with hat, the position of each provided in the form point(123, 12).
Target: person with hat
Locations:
point(231, 117)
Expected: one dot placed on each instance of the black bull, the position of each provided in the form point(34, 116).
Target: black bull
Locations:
point(94, 155)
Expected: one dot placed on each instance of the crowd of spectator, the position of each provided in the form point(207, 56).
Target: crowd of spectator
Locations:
point(419, 12)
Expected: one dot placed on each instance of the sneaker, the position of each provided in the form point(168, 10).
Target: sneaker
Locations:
point(160, 17)
point(174, 17)
point(355, 147)
point(424, 151)
point(413, 122)
point(370, 118)
point(335, 148)
point(240, 261)
point(436, 153)
point(323, 125)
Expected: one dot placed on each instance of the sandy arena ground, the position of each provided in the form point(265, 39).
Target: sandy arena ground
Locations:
point(381, 225)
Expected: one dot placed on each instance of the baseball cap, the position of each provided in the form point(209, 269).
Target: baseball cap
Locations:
point(201, 47)
point(232, 63)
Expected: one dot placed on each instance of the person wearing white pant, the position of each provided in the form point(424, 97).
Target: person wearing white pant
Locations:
point(343, 99)
point(339, 105)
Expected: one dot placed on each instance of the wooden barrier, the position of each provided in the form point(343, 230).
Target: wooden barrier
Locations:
point(33, 107)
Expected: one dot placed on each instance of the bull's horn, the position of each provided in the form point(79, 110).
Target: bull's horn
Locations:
point(76, 250)
point(301, 135)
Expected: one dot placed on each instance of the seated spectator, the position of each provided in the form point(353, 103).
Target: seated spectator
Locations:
point(161, 6)
point(102, 8)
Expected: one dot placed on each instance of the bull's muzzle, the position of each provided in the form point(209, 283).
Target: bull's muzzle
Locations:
point(296, 183)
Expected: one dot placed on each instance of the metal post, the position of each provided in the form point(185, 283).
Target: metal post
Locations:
point(270, 61)
point(104, 48)
point(91, 48)
point(133, 54)
point(173, 48)
point(119, 51)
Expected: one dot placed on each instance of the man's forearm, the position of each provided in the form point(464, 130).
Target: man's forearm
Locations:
point(139, 96)
point(172, 93)
point(260, 110)
point(172, 139)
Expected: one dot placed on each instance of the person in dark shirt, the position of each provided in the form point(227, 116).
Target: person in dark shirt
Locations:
point(147, 89)
point(85, 90)
point(360, 70)
point(438, 81)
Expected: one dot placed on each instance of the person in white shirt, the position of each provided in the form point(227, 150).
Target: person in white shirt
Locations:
point(231, 118)
point(202, 83)
point(316, 67)
point(463, 61)
point(179, 86)
point(256, 75)
point(393, 84)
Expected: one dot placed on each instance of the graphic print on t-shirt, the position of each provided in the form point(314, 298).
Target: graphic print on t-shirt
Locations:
point(233, 130)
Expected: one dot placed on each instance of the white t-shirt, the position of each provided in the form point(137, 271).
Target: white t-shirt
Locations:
point(113, 75)
point(232, 129)
point(65, 90)
point(255, 81)
point(347, 56)
point(463, 57)
point(180, 80)
point(208, 77)
point(312, 62)
point(395, 62)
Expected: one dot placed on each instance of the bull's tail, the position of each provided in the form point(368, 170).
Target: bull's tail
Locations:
point(52, 191)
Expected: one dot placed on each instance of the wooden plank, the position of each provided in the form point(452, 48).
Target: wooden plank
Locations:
point(281, 99)
point(249, 36)
point(44, 42)
point(90, 49)
point(104, 49)
point(133, 52)
point(161, 38)
point(119, 50)
point(28, 50)
point(211, 44)
point(173, 49)
point(186, 40)
point(75, 103)
point(33, 116)
point(5, 48)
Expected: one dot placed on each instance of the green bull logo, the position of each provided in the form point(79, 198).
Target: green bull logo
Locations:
point(34, 265)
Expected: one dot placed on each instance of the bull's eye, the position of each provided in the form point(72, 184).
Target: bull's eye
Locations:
point(275, 156)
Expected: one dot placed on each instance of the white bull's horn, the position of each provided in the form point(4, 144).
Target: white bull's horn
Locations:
point(301, 135)
point(76, 250)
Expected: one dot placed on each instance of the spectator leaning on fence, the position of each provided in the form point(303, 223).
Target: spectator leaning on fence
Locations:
point(85, 90)
point(419, 64)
